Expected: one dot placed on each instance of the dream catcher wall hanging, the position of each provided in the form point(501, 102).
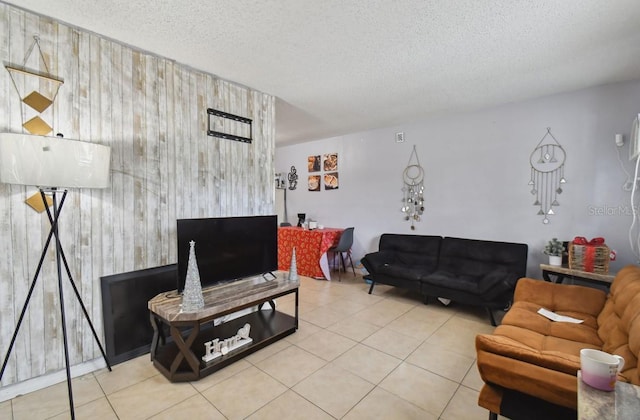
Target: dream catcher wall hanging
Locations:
point(547, 174)
point(413, 201)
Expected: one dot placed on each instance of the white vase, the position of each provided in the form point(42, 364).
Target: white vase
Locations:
point(555, 260)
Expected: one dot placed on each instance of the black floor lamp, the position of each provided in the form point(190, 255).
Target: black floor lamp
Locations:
point(53, 165)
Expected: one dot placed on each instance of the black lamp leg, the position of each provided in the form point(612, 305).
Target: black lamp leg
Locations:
point(60, 259)
point(84, 309)
point(62, 312)
point(26, 302)
point(77, 293)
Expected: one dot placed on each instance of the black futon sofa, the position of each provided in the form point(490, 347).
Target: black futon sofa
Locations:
point(469, 271)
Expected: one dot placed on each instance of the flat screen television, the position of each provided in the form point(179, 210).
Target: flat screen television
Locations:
point(228, 248)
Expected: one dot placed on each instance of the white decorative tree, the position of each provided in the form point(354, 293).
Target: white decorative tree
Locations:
point(192, 299)
point(293, 269)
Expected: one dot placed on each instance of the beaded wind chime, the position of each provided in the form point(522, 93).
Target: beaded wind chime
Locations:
point(413, 201)
point(547, 174)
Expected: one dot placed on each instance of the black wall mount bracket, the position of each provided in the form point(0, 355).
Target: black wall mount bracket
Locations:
point(237, 123)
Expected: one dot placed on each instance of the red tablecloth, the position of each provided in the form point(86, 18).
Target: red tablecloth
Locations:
point(311, 249)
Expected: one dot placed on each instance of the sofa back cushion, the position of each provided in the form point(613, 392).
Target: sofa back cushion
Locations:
point(619, 321)
point(474, 258)
point(412, 250)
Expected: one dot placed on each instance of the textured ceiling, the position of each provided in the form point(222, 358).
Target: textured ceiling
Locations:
point(341, 66)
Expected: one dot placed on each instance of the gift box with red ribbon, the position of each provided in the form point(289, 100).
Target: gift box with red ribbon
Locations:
point(591, 256)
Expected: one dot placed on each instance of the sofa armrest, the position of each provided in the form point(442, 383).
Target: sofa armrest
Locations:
point(505, 373)
point(560, 297)
point(512, 349)
point(497, 282)
point(374, 260)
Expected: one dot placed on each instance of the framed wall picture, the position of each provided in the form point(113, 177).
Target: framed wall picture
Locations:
point(331, 181)
point(314, 182)
point(313, 163)
point(330, 162)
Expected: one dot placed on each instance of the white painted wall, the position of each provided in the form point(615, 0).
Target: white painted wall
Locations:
point(477, 170)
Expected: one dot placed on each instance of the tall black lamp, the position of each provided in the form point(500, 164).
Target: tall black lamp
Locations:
point(54, 165)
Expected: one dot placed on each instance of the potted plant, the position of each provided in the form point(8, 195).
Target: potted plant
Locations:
point(554, 249)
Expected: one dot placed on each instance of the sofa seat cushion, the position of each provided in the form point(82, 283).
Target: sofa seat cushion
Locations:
point(450, 280)
point(402, 271)
point(576, 301)
point(487, 285)
point(525, 316)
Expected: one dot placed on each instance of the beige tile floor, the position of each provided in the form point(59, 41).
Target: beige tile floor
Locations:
point(355, 356)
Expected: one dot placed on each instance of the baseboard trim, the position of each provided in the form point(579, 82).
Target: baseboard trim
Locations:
point(14, 390)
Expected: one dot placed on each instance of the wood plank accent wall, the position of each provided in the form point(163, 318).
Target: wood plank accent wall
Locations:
point(152, 112)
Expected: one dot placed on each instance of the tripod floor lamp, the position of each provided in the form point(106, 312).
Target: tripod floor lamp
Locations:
point(54, 165)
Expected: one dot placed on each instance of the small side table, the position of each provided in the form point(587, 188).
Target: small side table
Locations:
point(560, 272)
point(593, 404)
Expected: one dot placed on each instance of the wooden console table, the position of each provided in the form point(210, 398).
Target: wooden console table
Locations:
point(560, 272)
point(180, 358)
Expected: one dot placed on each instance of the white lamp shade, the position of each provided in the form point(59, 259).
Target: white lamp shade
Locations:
point(53, 162)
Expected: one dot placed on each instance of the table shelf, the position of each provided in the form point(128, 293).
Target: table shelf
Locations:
point(267, 327)
point(562, 272)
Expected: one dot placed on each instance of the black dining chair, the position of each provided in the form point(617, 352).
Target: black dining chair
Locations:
point(344, 245)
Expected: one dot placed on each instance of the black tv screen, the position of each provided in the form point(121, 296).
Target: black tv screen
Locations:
point(228, 248)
